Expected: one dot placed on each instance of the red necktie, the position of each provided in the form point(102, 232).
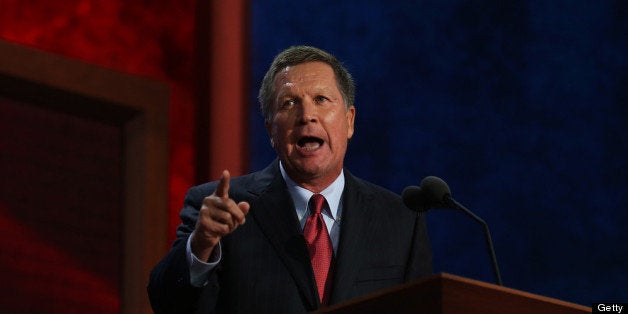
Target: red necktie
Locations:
point(319, 245)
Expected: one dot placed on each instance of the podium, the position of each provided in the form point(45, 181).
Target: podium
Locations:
point(449, 294)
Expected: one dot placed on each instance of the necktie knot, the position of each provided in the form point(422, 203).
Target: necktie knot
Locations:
point(317, 201)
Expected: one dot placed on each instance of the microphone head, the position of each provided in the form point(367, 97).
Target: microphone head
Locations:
point(413, 198)
point(436, 191)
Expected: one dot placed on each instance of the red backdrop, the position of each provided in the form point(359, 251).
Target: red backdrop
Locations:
point(152, 39)
point(171, 41)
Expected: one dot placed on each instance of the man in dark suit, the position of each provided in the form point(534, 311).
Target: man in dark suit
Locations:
point(302, 233)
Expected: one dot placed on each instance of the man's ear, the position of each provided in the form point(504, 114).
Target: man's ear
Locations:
point(350, 115)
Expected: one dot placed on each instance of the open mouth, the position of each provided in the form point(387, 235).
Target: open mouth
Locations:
point(310, 143)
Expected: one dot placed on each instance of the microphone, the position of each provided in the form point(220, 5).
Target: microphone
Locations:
point(435, 193)
point(413, 198)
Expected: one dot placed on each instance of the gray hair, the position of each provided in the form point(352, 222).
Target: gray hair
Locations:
point(298, 55)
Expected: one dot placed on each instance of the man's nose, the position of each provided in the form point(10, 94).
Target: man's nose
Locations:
point(309, 111)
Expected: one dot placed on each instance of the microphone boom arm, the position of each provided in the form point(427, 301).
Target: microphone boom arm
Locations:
point(487, 234)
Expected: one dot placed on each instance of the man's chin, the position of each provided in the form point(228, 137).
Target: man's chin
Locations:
point(303, 168)
point(306, 171)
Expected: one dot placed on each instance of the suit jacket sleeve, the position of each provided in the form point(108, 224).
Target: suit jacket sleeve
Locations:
point(169, 287)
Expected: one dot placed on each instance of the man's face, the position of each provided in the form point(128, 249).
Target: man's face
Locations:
point(310, 126)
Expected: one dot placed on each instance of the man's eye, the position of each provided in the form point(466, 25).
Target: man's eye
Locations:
point(288, 104)
point(321, 98)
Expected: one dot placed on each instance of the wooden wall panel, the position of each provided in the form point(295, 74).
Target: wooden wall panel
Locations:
point(61, 190)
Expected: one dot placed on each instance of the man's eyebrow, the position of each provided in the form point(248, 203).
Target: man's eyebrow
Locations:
point(285, 94)
point(289, 91)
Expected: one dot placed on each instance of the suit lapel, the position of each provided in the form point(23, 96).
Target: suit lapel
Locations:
point(353, 244)
point(274, 212)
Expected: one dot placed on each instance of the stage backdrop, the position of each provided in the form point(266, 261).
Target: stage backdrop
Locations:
point(519, 105)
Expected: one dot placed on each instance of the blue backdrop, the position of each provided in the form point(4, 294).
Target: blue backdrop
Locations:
point(521, 106)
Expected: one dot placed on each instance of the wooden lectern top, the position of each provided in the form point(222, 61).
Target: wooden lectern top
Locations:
point(449, 294)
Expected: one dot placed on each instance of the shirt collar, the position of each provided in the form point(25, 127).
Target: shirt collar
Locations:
point(301, 196)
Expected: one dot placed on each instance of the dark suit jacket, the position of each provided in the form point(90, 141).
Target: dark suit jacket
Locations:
point(265, 266)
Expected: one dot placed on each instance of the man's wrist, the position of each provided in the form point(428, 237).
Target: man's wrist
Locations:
point(199, 269)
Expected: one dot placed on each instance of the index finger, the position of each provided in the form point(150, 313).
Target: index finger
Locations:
point(222, 190)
